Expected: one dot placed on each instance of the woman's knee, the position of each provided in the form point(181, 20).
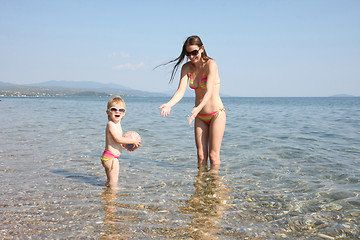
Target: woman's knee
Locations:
point(201, 157)
point(214, 156)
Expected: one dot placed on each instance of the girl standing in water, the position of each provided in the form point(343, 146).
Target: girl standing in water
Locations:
point(201, 73)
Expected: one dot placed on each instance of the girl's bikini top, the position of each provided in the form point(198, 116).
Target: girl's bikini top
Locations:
point(202, 82)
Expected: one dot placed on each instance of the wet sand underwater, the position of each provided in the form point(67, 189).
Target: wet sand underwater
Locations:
point(290, 170)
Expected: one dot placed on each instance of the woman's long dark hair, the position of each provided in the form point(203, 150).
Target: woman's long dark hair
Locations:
point(192, 40)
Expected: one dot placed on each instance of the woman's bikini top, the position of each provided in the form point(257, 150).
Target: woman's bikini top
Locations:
point(202, 82)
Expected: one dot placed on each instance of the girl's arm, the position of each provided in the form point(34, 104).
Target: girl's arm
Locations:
point(211, 78)
point(178, 95)
point(114, 132)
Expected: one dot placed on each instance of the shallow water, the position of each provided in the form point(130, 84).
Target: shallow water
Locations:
point(290, 170)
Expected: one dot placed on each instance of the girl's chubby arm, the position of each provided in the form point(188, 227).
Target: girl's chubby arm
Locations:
point(179, 94)
point(211, 78)
point(115, 132)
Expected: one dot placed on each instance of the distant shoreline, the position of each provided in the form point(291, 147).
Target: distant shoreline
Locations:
point(109, 96)
point(93, 89)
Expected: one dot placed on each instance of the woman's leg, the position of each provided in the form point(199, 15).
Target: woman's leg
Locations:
point(216, 133)
point(202, 141)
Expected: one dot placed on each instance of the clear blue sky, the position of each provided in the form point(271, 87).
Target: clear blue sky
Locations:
point(263, 48)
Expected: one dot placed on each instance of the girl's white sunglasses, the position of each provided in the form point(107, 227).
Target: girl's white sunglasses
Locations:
point(114, 109)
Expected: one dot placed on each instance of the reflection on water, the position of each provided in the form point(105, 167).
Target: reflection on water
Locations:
point(207, 204)
point(118, 217)
point(114, 217)
point(198, 218)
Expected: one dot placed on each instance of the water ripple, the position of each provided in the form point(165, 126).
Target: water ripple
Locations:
point(290, 170)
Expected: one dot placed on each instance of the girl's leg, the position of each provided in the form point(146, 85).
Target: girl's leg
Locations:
point(216, 133)
point(201, 140)
point(112, 172)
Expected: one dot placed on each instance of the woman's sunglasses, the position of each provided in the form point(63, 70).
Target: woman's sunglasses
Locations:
point(192, 53)
point(114, 109)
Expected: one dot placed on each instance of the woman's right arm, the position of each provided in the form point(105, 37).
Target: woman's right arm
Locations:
point(178, 95)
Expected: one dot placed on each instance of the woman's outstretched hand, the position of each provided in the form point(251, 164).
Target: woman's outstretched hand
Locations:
point(165, 109)
point(194, 113)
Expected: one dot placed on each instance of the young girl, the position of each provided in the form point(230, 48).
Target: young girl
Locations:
point(201, 73)
point(114, 139)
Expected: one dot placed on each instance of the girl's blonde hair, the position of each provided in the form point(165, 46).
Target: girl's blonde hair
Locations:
point(116, 99)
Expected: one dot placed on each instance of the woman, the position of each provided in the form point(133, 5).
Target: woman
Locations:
point(201, 72)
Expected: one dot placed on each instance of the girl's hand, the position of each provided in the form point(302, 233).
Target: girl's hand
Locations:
point(165, 109)
point(137, 142)
point(194, 113)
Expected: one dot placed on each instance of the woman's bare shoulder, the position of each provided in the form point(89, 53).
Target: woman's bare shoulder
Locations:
point(187, 68)
point(211, 65)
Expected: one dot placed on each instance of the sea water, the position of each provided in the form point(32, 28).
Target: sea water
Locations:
point(289, 170)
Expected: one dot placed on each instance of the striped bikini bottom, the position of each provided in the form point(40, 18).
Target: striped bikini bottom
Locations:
point(107, 155)
point(209, 116)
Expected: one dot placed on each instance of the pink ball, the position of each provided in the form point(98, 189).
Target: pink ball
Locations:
point(131, 134)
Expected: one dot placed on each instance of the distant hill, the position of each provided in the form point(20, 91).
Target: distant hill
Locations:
point(103, 87)
point(78, 85)
point(79, 88)
point(5, 84)
point(32, 91)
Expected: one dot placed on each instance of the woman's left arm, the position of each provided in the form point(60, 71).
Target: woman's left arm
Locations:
point(211, 78)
